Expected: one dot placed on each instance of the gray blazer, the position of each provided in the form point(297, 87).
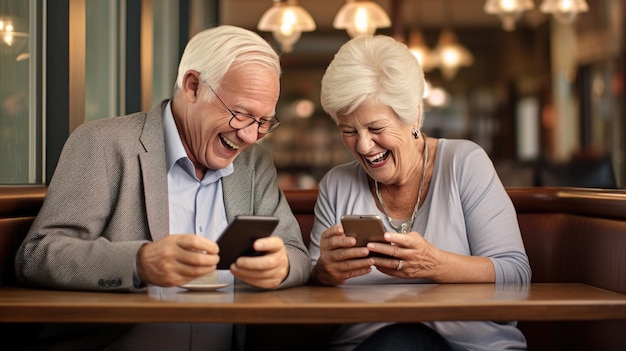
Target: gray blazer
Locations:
point(108, 196)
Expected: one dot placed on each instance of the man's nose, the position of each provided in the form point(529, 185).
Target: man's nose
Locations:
point(249, 134)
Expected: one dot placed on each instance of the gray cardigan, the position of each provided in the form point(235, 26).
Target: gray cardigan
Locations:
point(109, 196)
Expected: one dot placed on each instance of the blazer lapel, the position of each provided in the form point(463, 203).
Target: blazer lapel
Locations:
point(154, 174)
point(238, 191)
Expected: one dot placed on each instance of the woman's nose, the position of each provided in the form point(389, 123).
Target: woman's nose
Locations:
point(364, 143)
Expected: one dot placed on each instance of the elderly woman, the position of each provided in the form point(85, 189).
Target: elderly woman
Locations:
point(447, 216)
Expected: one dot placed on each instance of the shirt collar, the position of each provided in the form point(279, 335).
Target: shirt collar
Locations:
point(175, 151)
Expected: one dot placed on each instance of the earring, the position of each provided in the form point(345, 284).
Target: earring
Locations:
point(416, 133)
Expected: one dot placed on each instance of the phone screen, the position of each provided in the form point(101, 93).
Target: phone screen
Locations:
point(365, 228)
point(238, 238)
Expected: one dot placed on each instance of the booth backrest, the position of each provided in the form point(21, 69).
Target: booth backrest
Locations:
point(570, 234)
point(574, 235)
point(18, 208)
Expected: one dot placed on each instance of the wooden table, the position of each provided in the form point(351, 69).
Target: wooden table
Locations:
point(365, 303)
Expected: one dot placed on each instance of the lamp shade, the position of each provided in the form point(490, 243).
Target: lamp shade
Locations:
point(286, 20)
point(421, 51)
point(451, 55)
point(564, 11)
point(361, 18)
point(509, 11)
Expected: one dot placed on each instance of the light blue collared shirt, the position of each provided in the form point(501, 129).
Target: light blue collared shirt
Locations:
point(196, 206)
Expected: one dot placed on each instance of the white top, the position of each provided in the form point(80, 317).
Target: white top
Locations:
point(466, 211)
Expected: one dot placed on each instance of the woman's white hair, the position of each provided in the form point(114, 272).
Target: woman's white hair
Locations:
point(374, 68)
point(214, 51)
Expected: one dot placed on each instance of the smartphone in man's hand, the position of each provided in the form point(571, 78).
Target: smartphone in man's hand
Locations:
point(238, 238)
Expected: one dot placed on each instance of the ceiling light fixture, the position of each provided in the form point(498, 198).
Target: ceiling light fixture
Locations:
point(565, 11)
point(421, 51)
point(359, 17)
point(286, 19)
point(451, 55)
point(509, 11)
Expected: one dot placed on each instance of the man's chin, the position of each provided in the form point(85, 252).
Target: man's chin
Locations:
point(221, 161)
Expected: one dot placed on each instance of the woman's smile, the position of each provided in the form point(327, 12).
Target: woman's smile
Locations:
point(378, 160)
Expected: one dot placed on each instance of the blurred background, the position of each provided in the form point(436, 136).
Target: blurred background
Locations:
point(542, 93)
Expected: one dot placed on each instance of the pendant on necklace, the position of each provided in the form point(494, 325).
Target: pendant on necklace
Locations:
point(403, 228)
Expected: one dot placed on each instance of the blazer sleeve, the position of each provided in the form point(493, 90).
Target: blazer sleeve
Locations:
point(94, 218)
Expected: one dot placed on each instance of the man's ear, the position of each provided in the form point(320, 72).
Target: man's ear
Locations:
point(191, 84)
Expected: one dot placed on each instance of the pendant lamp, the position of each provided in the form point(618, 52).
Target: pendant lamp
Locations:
point(421, 51)
point(451, 55)
point(565, 11)
point(286, 19)
point(359, 17)
point(509, 11)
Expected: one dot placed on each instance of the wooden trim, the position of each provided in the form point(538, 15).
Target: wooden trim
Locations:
point(147, 50)
point(77, 33)
point(601, 203)
point(23, 200)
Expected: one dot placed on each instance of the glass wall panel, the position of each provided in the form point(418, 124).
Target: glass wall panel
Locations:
point(20, 144)
point(165, 48)
point(102, 88)
point(104, 54)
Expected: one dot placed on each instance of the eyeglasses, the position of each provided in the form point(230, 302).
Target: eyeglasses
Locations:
point(242, 120)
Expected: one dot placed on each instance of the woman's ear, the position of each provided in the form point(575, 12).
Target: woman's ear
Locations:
point(191, 85)
point(418, 122)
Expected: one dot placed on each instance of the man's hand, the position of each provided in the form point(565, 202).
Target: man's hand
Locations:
point(176, 259)
point(266, 271)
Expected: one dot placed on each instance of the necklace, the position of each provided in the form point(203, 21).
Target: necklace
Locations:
point(405, 227)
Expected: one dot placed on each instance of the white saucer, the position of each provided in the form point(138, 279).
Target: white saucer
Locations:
point(204, 287)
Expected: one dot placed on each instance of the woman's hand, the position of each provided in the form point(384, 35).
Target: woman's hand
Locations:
point(339, 259)
point(415, 257)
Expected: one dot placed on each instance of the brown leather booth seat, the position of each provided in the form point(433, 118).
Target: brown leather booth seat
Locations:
point(570, 235)
point(574, 235)
point(18, 208)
